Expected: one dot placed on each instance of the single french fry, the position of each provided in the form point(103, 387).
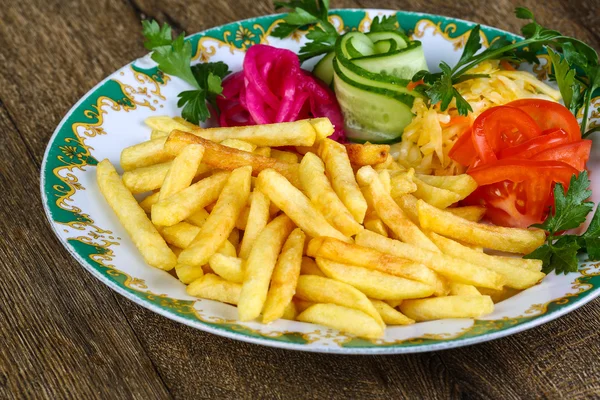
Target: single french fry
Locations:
point(402, 183)
point(499, 295)
point(447, 307)
point(460, 289)
point(309, 267)
point(440, 198)
point(529, 264)
point(227, 158)
point(152, 177)
point(187, 273)
point(227, 249)
point(144, 235)
point(284, 156)
point(198, 218)
point(390, 315)
point(324, 290)
point(221, 220)
point(408, 204)
point(471, 213)
point(341, 175)
point(155, 134)
point(511, 240)
point(290, 312)
point(145, 154)
point(189, 125)
point(373, 283)
point(307, 149)
point(317, 187)
point(262, 151)
point(452, 268)
point(297, 133)
point(285, 276)
point(343, 319)
point(242, 220)
point(258, 217)
point(182, 171)
point(148, 202)
point(165, 124)
point(239, 144)
point(463, 185)
point(367, 154)
point(259, 267)
point(387, 164)
point(227, 267)
point(182, 205)
point(212, 287)
point(375, 224)
point(384, 177)
point(180, 234)
point(349, 253)
point(301, 305)
point(515, 277)
point(391, 214)
point(323, 128)
point(296, 205)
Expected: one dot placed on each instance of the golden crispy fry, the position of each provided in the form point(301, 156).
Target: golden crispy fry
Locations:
point(343, 319)
point(152, 177)
point(517, 278)
point(499, 295)
point(227, 267)
point(263, 151)
point(148, 202)
point(188, 274)
point(284, 156)
point(290, 312)
point(529, 264)
point(189, 125)
point(258, 217)
point(367, 154)
point(452, 268)
point(144, 235)
point(301, 305)
point(180, 234)
point(227, 158)
point(239, 144)
point(182, 171)
point(227, 249)
point(408, 204)
point(296, 205)
point(285, 276)
point(447, 307)
point(390, 315)
point(471, 213)
point(353, 254)
point(463, 185)
point(387, 164)
point(145, 154)
point(316, 185)
point(309, 267)
point(165, 124)
point(460, 289)
point(375, 224)
point(323, 127)
point(198, 218)
point(390, 213)
point(221, 220)
point(341, 175)
point(182, 205)
point(324, 290)
point(214, 288)
point(384, 177)
point(375, 284)
point(394, 303)
point(259, 267)
point(440, 198)
point(158, 134)
point(512, 240)
point(242, 220)
point(307, 149)
point(297, 133)
point(402, 183)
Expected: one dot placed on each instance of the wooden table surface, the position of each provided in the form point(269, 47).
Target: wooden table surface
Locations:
point(66, 335)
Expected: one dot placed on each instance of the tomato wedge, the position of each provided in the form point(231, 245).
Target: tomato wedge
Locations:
point(523, 170)
point(549, 115)
point(463, 151)
point(548, 139)
point(499, 128)
point(575, 154)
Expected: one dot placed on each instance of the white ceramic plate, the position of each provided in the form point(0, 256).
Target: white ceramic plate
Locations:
point(110, 117)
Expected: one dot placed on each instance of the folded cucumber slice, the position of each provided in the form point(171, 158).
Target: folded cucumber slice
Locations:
point(324, 69)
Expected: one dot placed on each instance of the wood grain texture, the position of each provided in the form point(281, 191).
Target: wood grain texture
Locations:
point(65, 335)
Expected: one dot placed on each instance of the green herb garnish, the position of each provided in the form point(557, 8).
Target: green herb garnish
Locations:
point(570, 210)
point(174, 57)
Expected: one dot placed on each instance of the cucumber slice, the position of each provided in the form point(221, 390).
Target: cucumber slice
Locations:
point(403, 64)
point(324, 69)
point(369, 114)
point(400, 39)
point(385, 46)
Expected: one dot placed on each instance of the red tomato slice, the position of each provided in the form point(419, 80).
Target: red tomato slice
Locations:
point(549, 115)
point(523, 171)
point(528, 149)
point(463, 151)
point(499, 128)
point(575, 154)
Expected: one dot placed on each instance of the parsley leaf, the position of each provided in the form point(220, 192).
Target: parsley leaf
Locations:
point(570, 210)
point(174, 57)
point(565, 77)
point(385, 24)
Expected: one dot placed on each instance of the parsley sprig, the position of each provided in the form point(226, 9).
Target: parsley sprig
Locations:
point(570, 210)
point(174, 57)
point(576, 71)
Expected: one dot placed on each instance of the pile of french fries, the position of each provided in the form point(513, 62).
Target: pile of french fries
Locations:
point(283, 222)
